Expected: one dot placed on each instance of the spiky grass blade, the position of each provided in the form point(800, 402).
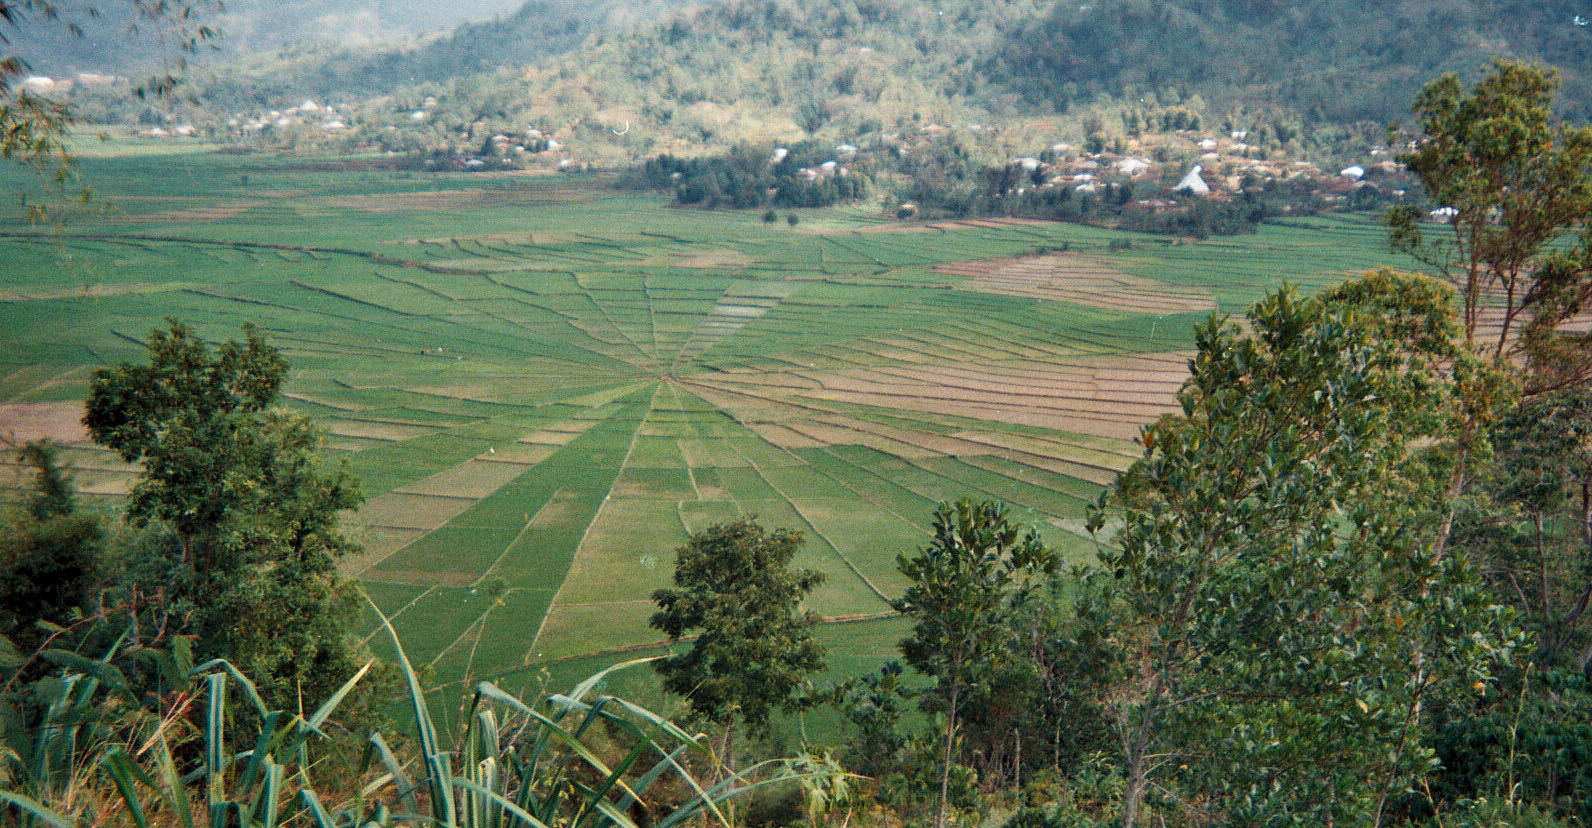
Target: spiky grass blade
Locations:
point(317, 812)
point(406, 788)
point(438, 768)
point(215, 745)
point(35, 810)
point(126, 775)
point(524, 816)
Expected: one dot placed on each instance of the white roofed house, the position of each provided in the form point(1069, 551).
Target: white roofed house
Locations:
point(1192, 183)
point(1132, 166)
point(38, 85)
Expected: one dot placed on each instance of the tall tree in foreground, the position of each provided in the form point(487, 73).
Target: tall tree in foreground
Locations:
point(1517, 184)
point(252, 512)
point(1272, 564)
point(961, 583)
point(734, 586)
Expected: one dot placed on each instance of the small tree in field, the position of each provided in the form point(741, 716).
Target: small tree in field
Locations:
point(960, 583)
point(734, 586)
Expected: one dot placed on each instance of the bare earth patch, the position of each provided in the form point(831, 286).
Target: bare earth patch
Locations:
point(710, 259)
point(474, 479)
point(557, 511)
point(1078, 279)
point(58, 421)
point(403, 510)
point(377, 430)
point(451, 199)
point(401, 202)
point(1110, 397)
point(90, 291)
point(191, 215)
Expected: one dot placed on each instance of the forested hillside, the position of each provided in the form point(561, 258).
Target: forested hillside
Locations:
point(861, 64)
point(1328, 60)
point(537, 32)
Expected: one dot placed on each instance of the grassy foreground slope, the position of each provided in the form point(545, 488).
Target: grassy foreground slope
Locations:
point(544, 385)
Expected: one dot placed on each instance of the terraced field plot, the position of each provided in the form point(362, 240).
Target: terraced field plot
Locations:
point(544, 385)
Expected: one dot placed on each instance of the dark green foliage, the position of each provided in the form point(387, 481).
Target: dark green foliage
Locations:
point(248, 566)
point(51, 557)
point(734, 587)
point(960, 585)
point(872, 706)
point(186, 417)
point(1278, 567)
point(1525, 522)
point(745, 177)
point(1533, 738)
point(1050, 713)
point(1528, 523)
point(52, 494)
point(1277, 53)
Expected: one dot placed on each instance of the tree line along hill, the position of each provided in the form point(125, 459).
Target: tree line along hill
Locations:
point(627, 81)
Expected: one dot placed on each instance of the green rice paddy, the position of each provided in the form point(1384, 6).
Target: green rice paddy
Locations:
point(544, 384)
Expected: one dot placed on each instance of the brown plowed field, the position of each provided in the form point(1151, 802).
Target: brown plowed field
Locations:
point(1108, 397)
point(1079, 279)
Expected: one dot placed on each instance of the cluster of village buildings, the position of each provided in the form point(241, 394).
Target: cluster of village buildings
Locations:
point(1208, 168)
point(837, 167)
point(309, 113)
point(44, 86)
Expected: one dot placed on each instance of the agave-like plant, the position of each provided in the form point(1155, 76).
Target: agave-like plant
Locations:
point(540, 771)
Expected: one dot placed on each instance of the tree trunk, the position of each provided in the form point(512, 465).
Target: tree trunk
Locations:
point(1134, 796)
point(1017, 763)
point(945, 767)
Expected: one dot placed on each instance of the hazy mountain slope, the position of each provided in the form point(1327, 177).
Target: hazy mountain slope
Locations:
point(754, 67)
point(1330, 60)
point(537, 31)
point(107, 44)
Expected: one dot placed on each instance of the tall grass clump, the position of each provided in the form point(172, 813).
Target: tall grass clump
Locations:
point(208, 752)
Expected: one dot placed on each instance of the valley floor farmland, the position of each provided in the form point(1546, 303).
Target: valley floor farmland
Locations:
point(544, 385)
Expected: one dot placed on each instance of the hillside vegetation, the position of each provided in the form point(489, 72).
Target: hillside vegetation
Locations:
point(757, 70)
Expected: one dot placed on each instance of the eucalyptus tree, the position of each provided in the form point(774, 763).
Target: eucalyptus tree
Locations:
point(1515, 184)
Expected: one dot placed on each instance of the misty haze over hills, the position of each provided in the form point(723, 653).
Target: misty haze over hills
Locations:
point(106, 44)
